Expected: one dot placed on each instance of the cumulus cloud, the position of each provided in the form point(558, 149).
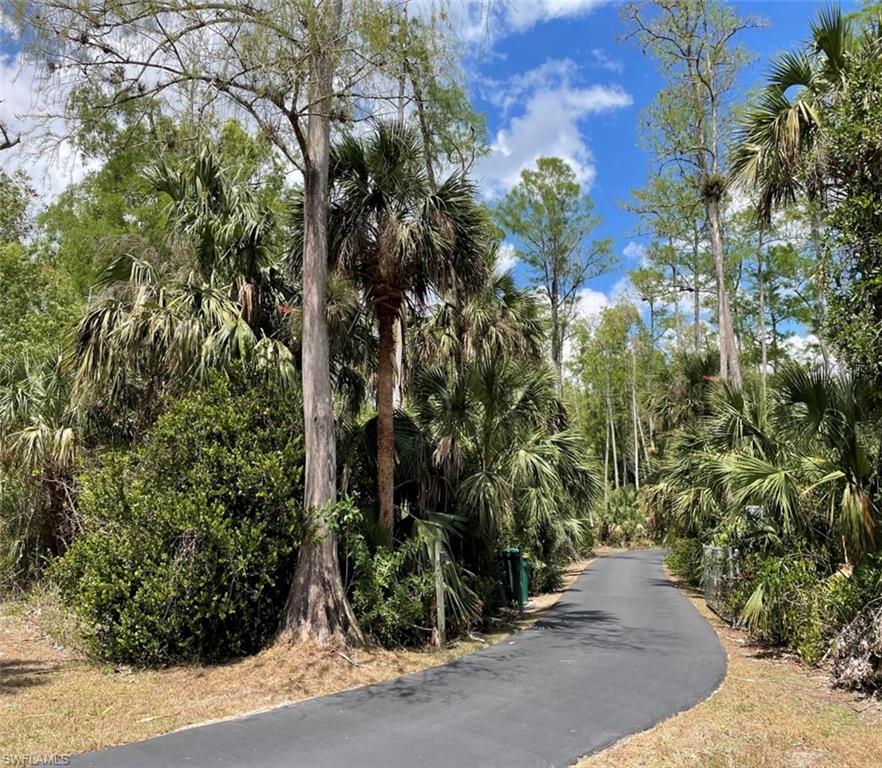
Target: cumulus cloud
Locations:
point(590, 304)
point(803, 349)
point(522, 15)
point(478, 21)
point(634, 252)
point(548, 124)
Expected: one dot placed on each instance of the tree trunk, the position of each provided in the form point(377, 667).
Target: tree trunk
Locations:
point(398, 383)
point(764, 346)
point(399, 334)
point(730, 365)
point(696, 291)
point(635, 417)
point(317, 607)
point(424, 126)
point(821, 304)
point(387, 316)
point(612, 429)
point(440, 633)
point(606, 469)
point(556, 340)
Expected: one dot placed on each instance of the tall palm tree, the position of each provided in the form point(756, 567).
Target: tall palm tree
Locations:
point(779, 152)
point(402, 240)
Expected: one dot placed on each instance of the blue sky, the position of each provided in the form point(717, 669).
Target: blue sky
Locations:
point(556, 78)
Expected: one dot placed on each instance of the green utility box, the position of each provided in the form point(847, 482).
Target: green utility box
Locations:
point(516, 569)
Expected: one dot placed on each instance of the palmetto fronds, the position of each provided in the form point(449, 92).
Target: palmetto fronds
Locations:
point(498, 319)
point(782, 464)
point(779, 152)
point(490, 431)
point(152, 331)
point(37, 425)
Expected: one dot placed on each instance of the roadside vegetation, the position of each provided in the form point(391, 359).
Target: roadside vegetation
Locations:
point(266, 383)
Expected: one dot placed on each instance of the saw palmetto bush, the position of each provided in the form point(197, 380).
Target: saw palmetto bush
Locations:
point(786, 474)
point(504, 457)
point(39, 433)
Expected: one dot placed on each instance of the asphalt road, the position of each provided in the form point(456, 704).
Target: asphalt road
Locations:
point(621, 650)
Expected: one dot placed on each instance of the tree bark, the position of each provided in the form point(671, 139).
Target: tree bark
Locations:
point(821, 304)
point(387, 317)
point(635, 417)
point(696, 293)
point(612, 429)
point(399, 333)
point(730, 365)
point(440, 634)
point(317, 607)
point(606, 469)
point(556, 340)
point(764, 346)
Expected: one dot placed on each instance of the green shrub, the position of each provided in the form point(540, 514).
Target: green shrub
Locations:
point(392, 591)
point(189, 541)
point(545, 576)
point(685, 560)
point(782, 603)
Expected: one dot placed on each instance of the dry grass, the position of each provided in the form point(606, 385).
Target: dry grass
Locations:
point(55, 702)
point(771, 712)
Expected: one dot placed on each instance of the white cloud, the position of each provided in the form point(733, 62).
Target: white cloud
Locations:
point(479, 22)
point(623, 291)
point(590, 304)
point(506, 258)
point(549, 125)
point(553, 73)
point(523, 14)
point(634, 252)
point(803, 349)
point(603, 61)
point(43, 153)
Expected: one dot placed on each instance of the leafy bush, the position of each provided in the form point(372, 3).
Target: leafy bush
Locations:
point(545, 576)
point(685, 560)
point(785, 600)
point(190, 540)
point(392, 591)
point(782, 602)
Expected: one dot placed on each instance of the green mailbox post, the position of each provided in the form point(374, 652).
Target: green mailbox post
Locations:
point(517, 580)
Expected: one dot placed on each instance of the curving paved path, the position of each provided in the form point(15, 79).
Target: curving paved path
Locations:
point(621, 650)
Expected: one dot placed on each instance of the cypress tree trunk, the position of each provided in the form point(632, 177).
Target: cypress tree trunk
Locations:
point(556, 340)
point(635, 417)
point(317, 607)
point(730, 364)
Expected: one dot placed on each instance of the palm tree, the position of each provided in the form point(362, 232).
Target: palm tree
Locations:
point(231, 228)
point(498, 444)
point(500, 318)
point(39, 440)
point(401, 240)
point(162, 320)
point(780, 148)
